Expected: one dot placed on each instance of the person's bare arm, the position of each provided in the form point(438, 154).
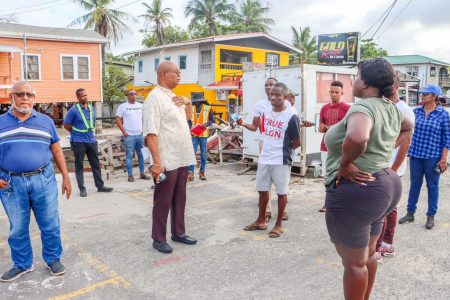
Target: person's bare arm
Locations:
point(120, 125)
point(403, 142)
point(58, 155)
point(296, 143)
point(253, 126)
point(153, 146)
point(68, 127)
point(355, 142)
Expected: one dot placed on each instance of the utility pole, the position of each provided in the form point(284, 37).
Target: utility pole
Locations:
point(25, 57)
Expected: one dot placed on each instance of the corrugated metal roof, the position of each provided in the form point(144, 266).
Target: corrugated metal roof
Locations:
point(217, 39)
point(414, 59)
point(50, 33)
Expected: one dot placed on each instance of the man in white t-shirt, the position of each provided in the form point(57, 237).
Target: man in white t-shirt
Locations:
point(385, 243)
point(281, 135)
point(129, 121)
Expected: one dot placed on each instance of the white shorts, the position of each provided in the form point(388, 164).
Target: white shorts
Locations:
point(279, 175)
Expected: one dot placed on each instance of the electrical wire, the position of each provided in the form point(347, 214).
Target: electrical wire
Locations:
point(382, 22)
point(132, 2)
point(386, 11)
point(396, 18)
point(28, 6)
point(32, 10)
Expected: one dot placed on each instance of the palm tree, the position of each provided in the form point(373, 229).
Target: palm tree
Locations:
point(210, 13)
point(158, 16)
point(106, 21)
point(307, 45)
point(252, 17)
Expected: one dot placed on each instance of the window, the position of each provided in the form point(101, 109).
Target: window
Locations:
point(140, 66)
point(323, 83)
point(272, 59)
point(205, 60)
point(33, 67)
point(432, 71)
point(83, 68)
point(75, 67)
point(182, 62)
point(167, 58)
point(234, 57)
point(412, 70)
point(156, 64)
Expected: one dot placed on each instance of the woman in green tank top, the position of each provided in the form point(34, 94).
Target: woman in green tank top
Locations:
point(361, 188)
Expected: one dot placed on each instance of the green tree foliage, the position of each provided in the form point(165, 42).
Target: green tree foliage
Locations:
point(370, 49)
point(113, 80)
point(172, 34)
point(209, 12)
point(157, 18)
point(307, 45)
point(119, 58)
point(107, 21)
point(251, 17)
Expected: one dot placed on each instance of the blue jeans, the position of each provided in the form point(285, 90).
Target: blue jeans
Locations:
point(419, 167)
point(202, 142)
point(40, 194)
point(134, 143)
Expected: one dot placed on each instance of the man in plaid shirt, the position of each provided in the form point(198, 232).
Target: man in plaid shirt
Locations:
point(428, 152)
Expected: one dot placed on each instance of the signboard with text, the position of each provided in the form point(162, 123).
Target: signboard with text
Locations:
point(339, 48)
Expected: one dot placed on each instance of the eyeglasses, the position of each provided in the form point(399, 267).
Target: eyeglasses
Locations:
point(22, 95)
point(132, 94)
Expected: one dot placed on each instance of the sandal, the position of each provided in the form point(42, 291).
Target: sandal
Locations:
point(276, 232)
point(323, 209)
point(255, 226)
point(285, 216)
point(268, 216)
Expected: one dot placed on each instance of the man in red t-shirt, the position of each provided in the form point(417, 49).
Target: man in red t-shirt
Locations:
point(331, 114)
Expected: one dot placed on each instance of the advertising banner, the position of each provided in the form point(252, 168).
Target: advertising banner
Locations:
point(339, 48)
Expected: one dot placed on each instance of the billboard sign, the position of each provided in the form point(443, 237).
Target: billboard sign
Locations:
point(339, 48)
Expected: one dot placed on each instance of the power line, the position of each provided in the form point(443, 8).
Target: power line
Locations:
point(28, 6)
point(382, 22)
point(396, 18)
point(132, 2)
point(367, 31)
point(32, 10)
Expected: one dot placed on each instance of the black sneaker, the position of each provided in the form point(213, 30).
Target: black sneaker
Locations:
point(430, 222)
point(104, 189)
point(56, 268)
point(409, 217)
point(83, 192)
point(15, 273)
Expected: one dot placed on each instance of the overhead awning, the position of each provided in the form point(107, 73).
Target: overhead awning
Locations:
point(9, 49)
point(227, 85)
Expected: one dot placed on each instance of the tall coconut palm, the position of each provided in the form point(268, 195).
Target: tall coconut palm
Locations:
point(252, 17)
point(209, 12)
point(158, 17)
point(306, 44)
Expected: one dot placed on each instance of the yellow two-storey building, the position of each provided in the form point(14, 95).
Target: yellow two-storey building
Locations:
point(212, 66)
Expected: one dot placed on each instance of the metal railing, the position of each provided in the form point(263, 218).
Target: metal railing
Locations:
point(229, 66)
point(444, 81)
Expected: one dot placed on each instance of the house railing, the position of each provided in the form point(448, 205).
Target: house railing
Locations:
point(444, 81)
point(229, 66)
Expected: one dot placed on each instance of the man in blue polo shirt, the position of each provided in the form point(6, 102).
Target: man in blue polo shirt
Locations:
point(28, 144)
point(80, 122)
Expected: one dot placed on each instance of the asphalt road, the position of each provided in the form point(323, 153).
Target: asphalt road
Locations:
point(108, 252)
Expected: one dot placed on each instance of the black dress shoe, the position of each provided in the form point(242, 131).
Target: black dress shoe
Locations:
point(83, 192)
point(104, 189)
point(162, 247)
point(185, 239)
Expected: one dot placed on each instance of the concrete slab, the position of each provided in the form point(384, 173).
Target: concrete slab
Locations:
point(108, 252)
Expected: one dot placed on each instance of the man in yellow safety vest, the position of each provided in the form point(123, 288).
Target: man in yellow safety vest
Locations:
point(202, 117)
point(79, 121)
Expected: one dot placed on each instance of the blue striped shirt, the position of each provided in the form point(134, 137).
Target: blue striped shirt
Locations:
point(431, 133)
point(25, 146)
